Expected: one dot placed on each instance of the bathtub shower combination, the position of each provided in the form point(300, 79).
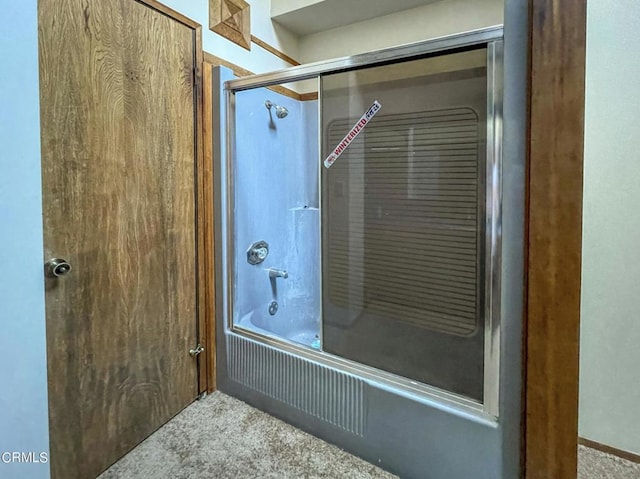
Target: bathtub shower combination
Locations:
point(362, 231)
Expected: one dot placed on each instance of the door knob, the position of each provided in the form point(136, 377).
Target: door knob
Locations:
point(56, 267)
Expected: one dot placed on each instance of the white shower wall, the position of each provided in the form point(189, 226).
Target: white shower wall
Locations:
point(276, 200)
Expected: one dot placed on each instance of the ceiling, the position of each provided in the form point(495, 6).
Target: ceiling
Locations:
point(304, 17)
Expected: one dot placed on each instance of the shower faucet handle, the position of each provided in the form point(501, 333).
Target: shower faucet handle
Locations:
point(257, 252)
point(278, 273)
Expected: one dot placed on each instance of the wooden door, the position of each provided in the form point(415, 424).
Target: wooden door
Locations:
point(118, 118)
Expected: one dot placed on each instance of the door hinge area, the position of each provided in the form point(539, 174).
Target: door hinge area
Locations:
point(197, 350)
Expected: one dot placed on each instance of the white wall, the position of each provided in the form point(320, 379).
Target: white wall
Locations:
point(279, 7)
point(257, 60)
point(23, 367)
point(421, 23)
point(610, 325)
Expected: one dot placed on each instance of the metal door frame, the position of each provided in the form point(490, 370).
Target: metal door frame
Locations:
point(492, 39)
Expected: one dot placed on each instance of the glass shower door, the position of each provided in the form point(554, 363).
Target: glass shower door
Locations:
point(403, 220)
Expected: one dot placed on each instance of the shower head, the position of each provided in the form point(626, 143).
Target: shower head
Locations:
point(281, 111)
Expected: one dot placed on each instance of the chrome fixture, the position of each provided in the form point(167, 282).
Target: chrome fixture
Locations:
point(56, 267)
point(278, 273)
point(257, 252)
point(273, 307)
point(281, 111)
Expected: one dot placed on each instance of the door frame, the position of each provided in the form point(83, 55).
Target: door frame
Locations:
point(553, 254)
point(208, 335)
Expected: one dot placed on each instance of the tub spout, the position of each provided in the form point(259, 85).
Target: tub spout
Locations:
point(278, 273)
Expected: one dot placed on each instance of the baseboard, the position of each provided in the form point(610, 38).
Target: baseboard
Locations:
point(629, 456)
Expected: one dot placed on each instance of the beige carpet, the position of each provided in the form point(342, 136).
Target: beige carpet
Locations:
point(594, 464)
point(221, 437)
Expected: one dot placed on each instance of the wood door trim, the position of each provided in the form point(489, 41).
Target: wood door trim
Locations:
point(553, 251)
point(171, 13)
point(209, 333)
point(274, 51)
point(242, 72)
point(204, 224)
point(215, 61)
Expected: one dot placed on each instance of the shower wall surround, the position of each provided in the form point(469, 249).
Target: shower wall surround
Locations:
point(276, 200)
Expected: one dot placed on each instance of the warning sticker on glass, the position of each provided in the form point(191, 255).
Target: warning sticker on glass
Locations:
point(357, 128)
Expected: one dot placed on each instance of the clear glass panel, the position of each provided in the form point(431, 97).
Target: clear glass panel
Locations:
point(403, 219)
point(276, 220)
